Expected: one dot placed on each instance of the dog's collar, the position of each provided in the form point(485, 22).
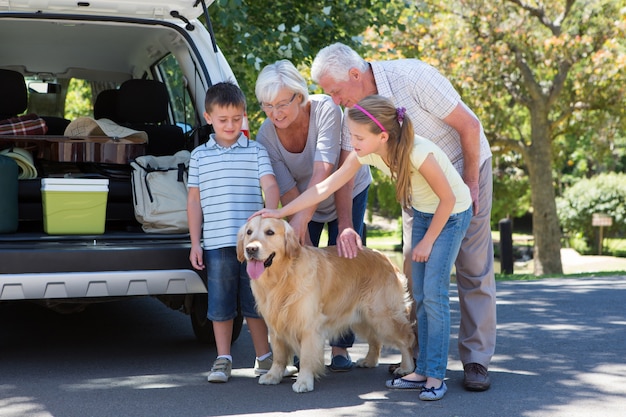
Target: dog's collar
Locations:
point(268, 261)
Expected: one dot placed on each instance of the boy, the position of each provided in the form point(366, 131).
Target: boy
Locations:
point(224, 178)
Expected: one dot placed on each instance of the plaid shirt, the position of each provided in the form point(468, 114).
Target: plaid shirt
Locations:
point(428, 98)
point(29, 124)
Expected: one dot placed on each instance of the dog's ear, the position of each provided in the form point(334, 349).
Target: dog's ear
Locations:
point(240, 238)
point(292, 244)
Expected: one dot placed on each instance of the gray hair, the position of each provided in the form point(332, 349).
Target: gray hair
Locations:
point(274, 77)
point(335, 61)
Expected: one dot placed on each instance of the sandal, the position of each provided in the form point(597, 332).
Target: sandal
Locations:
point(433, 394)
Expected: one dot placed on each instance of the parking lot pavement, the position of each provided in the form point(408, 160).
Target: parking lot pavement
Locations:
point(561, 351)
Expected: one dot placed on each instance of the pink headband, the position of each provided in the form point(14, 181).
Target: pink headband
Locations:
point(368, 114)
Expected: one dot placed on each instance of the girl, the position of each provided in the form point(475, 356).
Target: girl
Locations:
point(427, 182)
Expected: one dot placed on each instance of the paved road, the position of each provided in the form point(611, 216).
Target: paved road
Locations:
point(561, 352)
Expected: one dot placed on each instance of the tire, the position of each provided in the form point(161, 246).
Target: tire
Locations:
point(203, 327)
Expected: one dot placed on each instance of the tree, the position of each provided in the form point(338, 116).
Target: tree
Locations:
point(539, 75)
point(257, 33)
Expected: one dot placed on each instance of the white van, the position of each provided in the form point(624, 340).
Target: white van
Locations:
point(145, 65)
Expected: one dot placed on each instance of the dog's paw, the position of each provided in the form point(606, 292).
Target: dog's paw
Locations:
point(400, 372)
point(303, 385)
point(366, 363)
point(270, 379)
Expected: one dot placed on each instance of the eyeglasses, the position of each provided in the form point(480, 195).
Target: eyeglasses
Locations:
point(281, 106)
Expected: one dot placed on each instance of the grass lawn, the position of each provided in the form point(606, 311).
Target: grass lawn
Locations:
point(380, 239)
point(390, 242)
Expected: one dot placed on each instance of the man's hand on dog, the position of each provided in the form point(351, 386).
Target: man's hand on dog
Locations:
point(349, 243)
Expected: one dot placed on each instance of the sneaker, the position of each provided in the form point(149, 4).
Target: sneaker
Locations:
point(262, 367)
point(220, 371)
point(340, 363)
point(405, 384)
point(476, 377)
point(433, 394)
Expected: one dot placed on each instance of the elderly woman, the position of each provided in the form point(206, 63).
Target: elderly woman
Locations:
point(302, 134)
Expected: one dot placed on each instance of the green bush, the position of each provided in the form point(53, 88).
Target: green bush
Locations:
point(511, 192)
point(381, 197)
point(604, 193)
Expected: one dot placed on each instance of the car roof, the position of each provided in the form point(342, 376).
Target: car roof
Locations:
point(96, 47)
point(190, 9)
point(95, 50)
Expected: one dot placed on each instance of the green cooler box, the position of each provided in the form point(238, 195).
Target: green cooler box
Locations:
point(74, 206)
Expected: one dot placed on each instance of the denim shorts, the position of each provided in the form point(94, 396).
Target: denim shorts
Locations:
point(228, 286)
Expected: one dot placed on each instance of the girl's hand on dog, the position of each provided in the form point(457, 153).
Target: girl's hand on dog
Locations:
point(273, 213)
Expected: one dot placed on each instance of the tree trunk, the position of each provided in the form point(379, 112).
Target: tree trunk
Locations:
point(546, 229)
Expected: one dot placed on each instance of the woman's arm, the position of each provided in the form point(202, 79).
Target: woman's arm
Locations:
point(299, 222)
point(270, 191)
point(318, 192)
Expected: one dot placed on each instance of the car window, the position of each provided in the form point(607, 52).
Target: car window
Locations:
point(65, 98)
point(181, 103)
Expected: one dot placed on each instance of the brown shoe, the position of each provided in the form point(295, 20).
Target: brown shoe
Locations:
point(476, 377)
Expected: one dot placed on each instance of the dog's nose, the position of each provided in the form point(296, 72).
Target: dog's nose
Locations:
point(251, 250)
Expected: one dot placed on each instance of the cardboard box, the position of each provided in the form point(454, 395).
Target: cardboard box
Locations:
point(73, 206)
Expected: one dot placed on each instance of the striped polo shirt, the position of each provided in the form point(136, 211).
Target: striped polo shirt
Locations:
point(229, 184)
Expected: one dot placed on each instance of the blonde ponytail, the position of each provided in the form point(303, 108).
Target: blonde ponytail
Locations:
point(381, 115)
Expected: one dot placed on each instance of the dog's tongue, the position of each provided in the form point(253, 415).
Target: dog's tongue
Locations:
point(255, 268)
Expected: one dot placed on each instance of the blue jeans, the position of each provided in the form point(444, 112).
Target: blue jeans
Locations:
point(431, 282)
point(228, 285)
point(359, 204)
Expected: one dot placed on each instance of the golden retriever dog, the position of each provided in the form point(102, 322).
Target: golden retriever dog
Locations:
point(307, 295)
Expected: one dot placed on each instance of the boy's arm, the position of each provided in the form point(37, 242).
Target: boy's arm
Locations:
point(270, 190)
point(194, 219)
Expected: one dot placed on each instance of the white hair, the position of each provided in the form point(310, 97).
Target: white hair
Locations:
point(335, 61)
point(274, 77)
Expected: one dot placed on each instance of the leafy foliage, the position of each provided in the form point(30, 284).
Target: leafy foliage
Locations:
point(254, 33)
point(382, 196)
point(78, 101)
point(511, 190)
point(546, 79)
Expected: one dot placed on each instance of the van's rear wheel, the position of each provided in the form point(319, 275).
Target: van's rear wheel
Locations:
point(203, 327)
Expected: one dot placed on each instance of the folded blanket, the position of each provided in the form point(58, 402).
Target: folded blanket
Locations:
point(24, 160)
point(29, 124)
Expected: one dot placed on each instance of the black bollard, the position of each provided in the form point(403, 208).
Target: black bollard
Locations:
point(506, 246)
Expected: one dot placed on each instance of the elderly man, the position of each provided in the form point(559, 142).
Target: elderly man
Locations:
point(439, 114)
